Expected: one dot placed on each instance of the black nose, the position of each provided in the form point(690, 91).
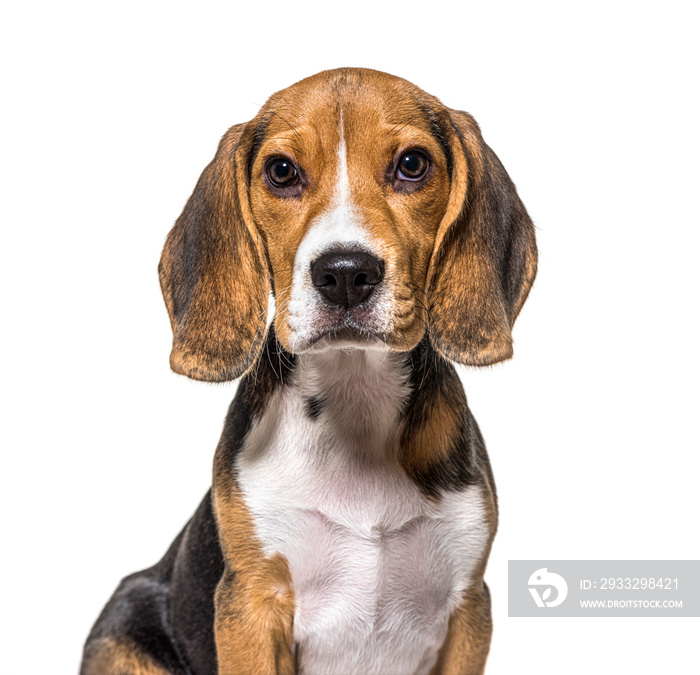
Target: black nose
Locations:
point(346, 277)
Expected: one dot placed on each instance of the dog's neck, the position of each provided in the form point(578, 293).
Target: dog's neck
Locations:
point(411, 404)
point(360, 394)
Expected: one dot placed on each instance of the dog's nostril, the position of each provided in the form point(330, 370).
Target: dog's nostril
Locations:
point(347, 278)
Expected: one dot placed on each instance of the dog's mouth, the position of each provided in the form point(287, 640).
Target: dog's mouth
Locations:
point(347, 332)
point(349, 338)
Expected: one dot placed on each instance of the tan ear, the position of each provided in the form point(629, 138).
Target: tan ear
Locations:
point(213, 272)
point(485, 257)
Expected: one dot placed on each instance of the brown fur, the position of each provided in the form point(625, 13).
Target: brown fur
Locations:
point(404, 225)
point(110, 657)
point(469, 635)
point(213, 275)
point(428, 438)
point(254, 599)
point(484, 261)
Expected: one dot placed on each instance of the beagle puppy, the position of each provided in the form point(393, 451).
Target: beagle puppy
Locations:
point(341, 250)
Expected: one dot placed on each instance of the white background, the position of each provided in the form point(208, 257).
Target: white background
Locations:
point(110, 112)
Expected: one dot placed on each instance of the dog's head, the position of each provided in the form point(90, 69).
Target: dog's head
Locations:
point(370, 210)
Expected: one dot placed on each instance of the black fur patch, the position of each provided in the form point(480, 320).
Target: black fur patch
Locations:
point(198, 567)
point(463, 463)
point(137, 615)
point(314, 406)
point(258, 136)
point(272, 370)
point(439, 135)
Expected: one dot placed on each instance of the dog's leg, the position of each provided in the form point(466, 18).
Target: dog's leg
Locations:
point(254, 602)
point(469, 635)
point(253, 625)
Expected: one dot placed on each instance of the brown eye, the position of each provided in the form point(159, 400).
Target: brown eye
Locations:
point(412, 166)
point(281, 172)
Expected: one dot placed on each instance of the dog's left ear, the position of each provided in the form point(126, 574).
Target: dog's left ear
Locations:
point(213, 272)
point(485, 258)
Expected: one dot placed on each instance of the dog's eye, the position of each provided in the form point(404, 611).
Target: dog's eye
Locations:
point(412, 166)
point(282, 172)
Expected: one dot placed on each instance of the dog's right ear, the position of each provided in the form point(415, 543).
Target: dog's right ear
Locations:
point(213, 272)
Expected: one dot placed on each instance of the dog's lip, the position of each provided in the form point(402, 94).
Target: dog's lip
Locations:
point(350, 332)
point(347, 335)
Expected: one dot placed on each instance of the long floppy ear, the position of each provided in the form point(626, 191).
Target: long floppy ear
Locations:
point(213, 272)
point(485, 257)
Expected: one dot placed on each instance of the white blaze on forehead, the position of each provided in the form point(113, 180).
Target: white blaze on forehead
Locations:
point(340, 226)
point(337, 227)
point(341, 222)
point(343, 178)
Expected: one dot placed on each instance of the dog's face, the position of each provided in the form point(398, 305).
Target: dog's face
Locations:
point(373, 213)
point(348, 188)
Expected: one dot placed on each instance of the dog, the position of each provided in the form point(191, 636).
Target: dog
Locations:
point(340, 252)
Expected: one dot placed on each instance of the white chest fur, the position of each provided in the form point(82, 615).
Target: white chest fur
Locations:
point(377, 568)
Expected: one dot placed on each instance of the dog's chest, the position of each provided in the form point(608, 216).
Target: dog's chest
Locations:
point(377, 568)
